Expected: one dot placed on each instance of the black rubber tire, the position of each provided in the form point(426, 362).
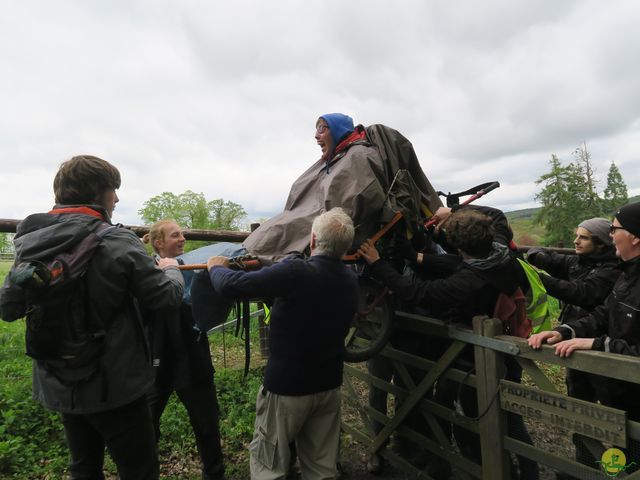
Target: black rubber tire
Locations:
point(369, 333)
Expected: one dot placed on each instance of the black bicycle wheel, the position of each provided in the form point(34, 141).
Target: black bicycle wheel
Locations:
point(371, 326)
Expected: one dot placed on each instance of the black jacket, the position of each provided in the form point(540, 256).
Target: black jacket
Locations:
point(616, 328)
point(180, 353)
point(581, 282)
point(616, 324)
point(471, 290)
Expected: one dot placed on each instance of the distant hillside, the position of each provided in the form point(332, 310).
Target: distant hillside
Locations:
point(524, 214)
point(529, 213)
point(525, 232)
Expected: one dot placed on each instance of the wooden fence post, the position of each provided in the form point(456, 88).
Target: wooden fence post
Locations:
point(492, 424)
point(263, 328)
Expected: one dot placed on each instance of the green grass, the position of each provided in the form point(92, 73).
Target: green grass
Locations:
point(32, 442)
point(4, 268)
point(525, 232)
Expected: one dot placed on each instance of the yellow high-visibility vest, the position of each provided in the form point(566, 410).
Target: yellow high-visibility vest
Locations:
point(543, 307)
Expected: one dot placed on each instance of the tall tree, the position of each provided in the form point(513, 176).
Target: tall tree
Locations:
point(225, 215)
point(192, 210)
point(195, 211)
point(570, 195)
point(615, 194)
point(165, 205)
point(584, 163)
point(563, 202)
point(5, 242)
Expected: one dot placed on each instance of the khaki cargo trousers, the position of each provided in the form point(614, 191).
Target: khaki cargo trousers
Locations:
point(312, 421)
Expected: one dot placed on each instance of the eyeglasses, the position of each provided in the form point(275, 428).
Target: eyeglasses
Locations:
point(321, 128)
point(613, 228)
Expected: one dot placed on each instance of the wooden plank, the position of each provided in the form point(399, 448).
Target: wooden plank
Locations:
point(435, 409)
point(561, 411)
point(355, 433)
point(390, 388)
point(404, 375)
point(464, 377)
point(429, 326)
point(423, 387)
point(633, 429)
point(435, 448)
point(425, 364)
point(556, 462)
point(492, 423)
point(435, 427)
point(611, 365)
point(536, 374)
point(402, 464)
point(593, 446)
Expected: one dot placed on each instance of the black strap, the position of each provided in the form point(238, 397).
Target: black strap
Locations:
point(453, 199)
point(238, 315)
point(246, 323)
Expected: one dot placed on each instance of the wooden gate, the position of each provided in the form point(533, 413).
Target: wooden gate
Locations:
point(537, 399)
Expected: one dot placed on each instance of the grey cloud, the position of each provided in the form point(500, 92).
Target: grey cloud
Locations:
point(197, 95)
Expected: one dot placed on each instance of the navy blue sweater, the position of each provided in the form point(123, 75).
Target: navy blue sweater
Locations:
point(315, 300)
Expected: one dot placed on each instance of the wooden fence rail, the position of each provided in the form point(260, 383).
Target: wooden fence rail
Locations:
point(9, 226)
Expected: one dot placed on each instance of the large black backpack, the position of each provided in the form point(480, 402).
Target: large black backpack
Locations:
point(61, 334)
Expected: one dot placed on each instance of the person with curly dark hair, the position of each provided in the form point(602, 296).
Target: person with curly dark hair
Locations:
point(486, 269)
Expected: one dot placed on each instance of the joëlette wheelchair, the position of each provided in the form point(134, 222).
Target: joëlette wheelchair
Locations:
point(372, 324)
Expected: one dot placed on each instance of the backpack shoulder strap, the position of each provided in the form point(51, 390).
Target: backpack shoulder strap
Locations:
point(104, 228)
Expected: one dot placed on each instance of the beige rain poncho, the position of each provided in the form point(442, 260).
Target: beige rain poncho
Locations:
point(371, 180)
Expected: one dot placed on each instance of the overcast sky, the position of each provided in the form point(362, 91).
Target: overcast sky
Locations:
point(222, 97)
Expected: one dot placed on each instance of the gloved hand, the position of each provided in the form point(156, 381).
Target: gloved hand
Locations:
point(537, 256)
point(421, 241)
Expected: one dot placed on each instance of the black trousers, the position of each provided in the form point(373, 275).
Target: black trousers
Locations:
point(126, 432)
point(201, 403)
point(581, 385)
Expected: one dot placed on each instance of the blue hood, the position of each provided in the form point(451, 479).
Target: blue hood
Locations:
point(340, 125)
